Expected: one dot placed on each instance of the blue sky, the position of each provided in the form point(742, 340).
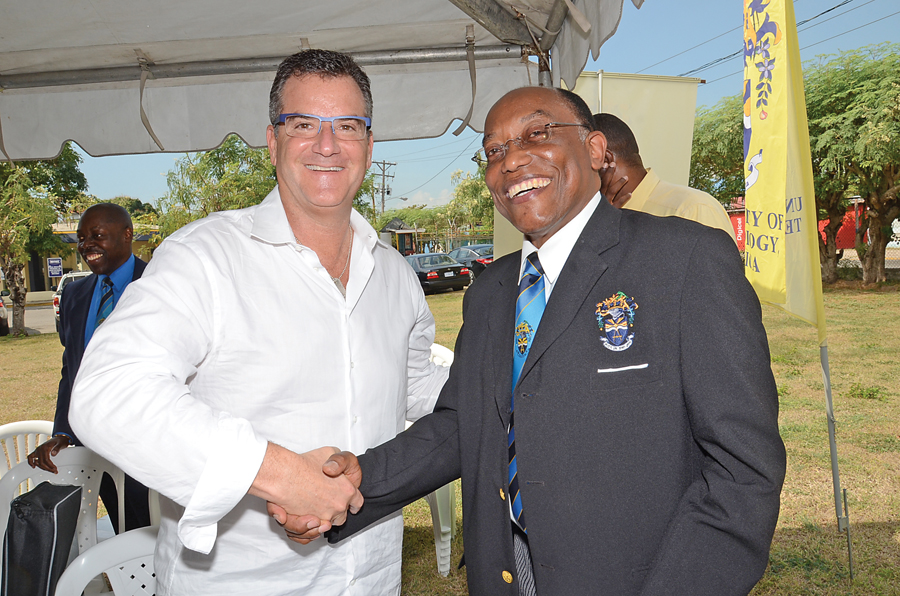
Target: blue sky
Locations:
point(662, 38)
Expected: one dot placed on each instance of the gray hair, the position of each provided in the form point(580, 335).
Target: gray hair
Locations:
point(324, 63)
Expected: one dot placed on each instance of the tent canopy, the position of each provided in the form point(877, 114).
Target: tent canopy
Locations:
point(73, 69)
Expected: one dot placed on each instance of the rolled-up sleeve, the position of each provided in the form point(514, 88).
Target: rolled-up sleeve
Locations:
point(132, 401)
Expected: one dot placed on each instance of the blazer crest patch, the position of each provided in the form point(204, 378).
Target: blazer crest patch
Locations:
point(615, 316)
point(524, 332)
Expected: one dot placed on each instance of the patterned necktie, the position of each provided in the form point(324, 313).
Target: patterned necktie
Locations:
point(106, 301)
point(529, 309)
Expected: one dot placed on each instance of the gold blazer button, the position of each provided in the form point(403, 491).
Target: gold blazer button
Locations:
point(507, 577)
point(502, 494)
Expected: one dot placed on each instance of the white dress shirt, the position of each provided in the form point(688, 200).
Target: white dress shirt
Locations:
point(555, 251)
point(234, 336)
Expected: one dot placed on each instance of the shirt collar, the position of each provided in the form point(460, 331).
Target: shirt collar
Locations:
point(556, 249)
point(122, 276)
point(643, 191)
point(270, 223)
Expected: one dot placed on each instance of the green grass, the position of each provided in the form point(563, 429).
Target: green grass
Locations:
point(809, 555)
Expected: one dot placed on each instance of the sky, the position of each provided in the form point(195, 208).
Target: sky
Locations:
point(662, 38)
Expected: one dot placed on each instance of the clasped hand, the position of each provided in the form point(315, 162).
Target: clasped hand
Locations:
point(317, 490)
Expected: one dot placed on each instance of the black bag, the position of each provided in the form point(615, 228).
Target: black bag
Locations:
point(38, 539)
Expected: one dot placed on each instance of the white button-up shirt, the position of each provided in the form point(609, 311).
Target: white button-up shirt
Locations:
point(234, 336)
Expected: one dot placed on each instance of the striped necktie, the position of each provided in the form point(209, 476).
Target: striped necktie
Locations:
point(106, 301)
point(529, 309)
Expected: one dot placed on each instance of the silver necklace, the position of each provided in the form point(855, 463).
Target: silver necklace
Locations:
point(337, 280)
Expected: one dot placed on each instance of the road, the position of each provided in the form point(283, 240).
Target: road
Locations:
point(38, 319)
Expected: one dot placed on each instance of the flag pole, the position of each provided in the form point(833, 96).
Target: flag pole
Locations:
point(842, 518)
point(840, 505)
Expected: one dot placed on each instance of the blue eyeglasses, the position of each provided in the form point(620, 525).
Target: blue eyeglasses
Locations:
point(308, 126)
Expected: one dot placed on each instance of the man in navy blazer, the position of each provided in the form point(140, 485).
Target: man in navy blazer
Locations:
point(104, 233)
point(646, 438)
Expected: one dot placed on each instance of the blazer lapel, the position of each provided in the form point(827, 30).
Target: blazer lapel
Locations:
point(82, 306)
point(583, 269)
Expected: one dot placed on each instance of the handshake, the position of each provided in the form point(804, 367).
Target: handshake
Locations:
point(308, 493)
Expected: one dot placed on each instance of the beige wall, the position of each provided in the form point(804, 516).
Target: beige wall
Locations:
point(660, 111)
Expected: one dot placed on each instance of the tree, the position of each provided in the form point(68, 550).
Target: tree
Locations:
point(232, 176)
point(25, 211)
point(472, 204)
point(717, 151)
point(60, 177)
point(858, 135)
point(135, 207)
point(831, 176)
point(364, 201)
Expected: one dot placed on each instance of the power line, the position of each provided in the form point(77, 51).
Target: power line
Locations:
point(455, 141)
point(689, 49)
point(409, 192)
point(702, 44)
point(718, 61)
point(837, 15)
point(835, 7)
point(817, 43)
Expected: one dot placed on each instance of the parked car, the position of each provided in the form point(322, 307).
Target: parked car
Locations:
point(438, 271)
point(475, 256)
point(63, 282)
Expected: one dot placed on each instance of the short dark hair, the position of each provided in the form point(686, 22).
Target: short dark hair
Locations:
point(619, 137)
point(324, 63)
point(581, 109)
point(112, 213)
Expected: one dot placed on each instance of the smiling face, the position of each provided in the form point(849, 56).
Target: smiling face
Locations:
point(320, 175)
point(104, 238)
point(541, 188)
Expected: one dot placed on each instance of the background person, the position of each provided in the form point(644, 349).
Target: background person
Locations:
point(627, 184)
point(258, 334)
point(644, 421)
point(105, 233)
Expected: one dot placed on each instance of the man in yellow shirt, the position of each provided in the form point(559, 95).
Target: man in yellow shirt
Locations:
point(628, 185)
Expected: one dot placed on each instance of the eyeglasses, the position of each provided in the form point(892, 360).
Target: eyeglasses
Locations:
point(308, 126)
point(534, 135)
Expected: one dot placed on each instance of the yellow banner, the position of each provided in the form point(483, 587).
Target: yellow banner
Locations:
point(781, 254)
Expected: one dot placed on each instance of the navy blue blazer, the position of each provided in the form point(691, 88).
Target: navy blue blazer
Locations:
point(74, 305)
point(651, 469)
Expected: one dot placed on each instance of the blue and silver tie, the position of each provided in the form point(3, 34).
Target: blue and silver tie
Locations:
point(106, 301)
point(529, 309)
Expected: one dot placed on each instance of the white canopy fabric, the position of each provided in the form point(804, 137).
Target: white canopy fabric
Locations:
point(71, 69)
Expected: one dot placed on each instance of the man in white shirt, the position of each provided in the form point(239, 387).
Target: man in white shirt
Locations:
point(258, 334)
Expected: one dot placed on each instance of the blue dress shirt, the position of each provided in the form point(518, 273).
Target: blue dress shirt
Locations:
point(121, 277)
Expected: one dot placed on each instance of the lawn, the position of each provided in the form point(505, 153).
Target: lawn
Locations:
point(808, 555)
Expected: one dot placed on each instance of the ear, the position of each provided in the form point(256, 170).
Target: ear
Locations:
point(596, 142)
point(129, 233)
point(609, 158)
point(272, 142)
point(371, 142)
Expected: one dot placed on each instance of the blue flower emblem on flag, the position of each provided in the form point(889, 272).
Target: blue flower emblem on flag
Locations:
point(615, 316)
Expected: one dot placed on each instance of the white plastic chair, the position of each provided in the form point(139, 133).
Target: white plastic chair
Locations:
point(442, 502)
point(127, 560)
point(18, 439)
point(77, 466)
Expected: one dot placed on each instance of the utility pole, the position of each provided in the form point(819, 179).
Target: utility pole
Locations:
point(384, 188)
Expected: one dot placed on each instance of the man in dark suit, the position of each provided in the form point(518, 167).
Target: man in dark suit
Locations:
point(643, 425)
point(104, 233)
